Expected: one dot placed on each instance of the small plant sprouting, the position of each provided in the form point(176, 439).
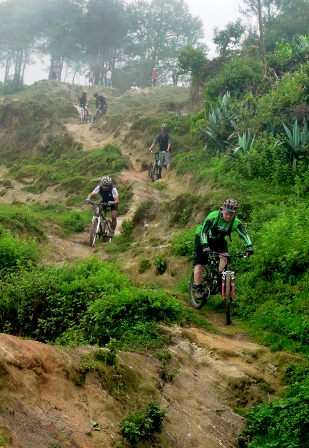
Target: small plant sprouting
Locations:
point(144, 265)
point(165, 373)
point(160, 264)
point(143, 424)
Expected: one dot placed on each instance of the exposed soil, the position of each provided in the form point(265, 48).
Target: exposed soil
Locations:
point(217, 372)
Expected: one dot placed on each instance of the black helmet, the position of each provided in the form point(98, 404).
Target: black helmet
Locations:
point(230, 205)
point(95, 94)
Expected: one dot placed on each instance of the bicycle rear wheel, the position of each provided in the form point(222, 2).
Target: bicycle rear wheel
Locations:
point(94, 230)
point(206, 282)
point(228, 286)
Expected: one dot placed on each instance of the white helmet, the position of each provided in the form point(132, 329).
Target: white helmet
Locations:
point(106, 180)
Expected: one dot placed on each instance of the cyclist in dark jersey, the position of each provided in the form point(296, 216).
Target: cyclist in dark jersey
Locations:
point(210, 236)
point(165, 140)
point(109, 195)
point(100, 102)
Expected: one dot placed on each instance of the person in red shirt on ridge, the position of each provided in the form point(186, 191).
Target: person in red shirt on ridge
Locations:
point(154, 77)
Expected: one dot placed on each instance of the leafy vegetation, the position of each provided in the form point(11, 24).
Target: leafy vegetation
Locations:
point(249, 141)
point(142, 425)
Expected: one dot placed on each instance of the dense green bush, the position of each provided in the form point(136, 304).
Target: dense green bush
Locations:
point(142, 424)
point(183, 243)
point(130, 316)
point(15, 252)
point(281, 423)
point(89, 302)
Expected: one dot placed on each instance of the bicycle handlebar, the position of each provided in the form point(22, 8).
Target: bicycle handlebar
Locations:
point(218, 255)
point(156, 152)
point(104, 204)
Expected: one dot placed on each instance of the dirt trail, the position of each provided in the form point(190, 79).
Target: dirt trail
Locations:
point(216, 373)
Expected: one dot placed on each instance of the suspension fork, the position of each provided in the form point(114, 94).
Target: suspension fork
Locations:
point(232, 274)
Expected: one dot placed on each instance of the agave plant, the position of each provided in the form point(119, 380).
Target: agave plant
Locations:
point(221, 124)
point(245, 142)
point(296, 142)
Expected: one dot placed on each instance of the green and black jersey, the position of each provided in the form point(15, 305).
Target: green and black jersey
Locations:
point(215, 228)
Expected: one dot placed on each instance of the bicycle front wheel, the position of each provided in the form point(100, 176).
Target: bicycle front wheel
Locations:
point(94, 230)
point(228, 288)
point(156, 173)
point(107, 229)
point(150, 170)
point(81, 116)
point(96, 115)
point(199, 302)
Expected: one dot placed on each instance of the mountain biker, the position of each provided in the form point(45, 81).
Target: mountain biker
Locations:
point(165, 140)
point(100, 102)
point(109, 195)
point(210, 236)
point(82, 102)
point(134, 86)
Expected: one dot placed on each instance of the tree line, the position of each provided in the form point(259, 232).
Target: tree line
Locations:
point(130, 38)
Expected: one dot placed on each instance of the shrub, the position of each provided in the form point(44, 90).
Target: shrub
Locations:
point(183, 242)
point(142, 425)
point(14, 252)
point(144, 265)
point(160, 264)
point(281, 423)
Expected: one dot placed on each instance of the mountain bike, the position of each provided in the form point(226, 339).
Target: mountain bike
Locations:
point(101, 110)
point(210, 284)
point(155, 169)
point(101, 225)
point(83, 118)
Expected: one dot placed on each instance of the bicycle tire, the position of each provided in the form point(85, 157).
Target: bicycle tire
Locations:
point(198, 304)
point(101, 230)
point(150, 170)
point(228, 286)
point(96, 115)
point(156, 173)
point(93, 231)
point(107, 223)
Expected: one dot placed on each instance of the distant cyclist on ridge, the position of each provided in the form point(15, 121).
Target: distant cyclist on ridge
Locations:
point(165, 140)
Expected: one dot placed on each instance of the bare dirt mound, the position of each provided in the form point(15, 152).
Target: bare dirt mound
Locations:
point(213, 374)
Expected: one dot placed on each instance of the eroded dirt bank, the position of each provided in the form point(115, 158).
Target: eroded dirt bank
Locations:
point(41, 405)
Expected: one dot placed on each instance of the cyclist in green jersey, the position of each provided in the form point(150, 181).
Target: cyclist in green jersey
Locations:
point(210, 236)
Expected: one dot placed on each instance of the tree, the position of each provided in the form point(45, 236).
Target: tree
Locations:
point(106, 27)
point(160, 30)
point(18, 32)
point(61, 37)
point(228, 38)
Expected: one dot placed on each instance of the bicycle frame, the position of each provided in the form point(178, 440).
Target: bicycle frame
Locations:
point(210, 282)
point(227, 269)
point(82, 114)
point(100, 225)
point(155, 167)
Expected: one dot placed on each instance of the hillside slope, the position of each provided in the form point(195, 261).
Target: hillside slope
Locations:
point(44, 402)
